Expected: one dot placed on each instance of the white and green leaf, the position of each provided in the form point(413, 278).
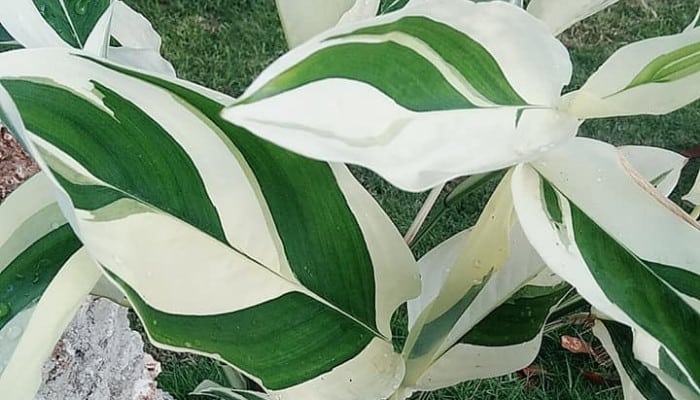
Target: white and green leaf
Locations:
point(7, 42)
point(560, 15)
point(596, 234)
point(639, 382)
point(506, 340)
point(303, 19)
point(44, 276)
point(165, 190)
point(661, 168)
point(484, 303)
point(139, 44)
point(131, 29)
point(361, 10)
point(216, 391)
point(387, 6)
point(652, 76)
point(465, 100)
point(81, 24)
point(5, 37)
point(85, 24)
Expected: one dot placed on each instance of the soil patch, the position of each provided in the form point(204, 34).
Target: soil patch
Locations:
point(15, 165)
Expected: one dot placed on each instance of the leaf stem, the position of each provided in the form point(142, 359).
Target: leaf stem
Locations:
point(469, 185)
point(422, 215)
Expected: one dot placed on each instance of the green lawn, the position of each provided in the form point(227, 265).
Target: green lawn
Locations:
point(223, 44)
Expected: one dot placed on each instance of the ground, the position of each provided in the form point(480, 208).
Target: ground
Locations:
point(15, 165)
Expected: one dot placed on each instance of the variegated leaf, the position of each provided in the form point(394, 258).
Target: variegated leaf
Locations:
point(408, 3)
point(284, 267)
point(387, 6)
point(517, 3)
point(139, 42)
point(303, 19)
point(606, 231)
point(478, 90)
point(506, 340)
point(88, 25)
point(361, 10)
point(234, 378)
point(79, 24)
point(4, 36)
point(7, 42)
point(638, 380)
point(653, 76)
point(662, 168)
point(559, 15)
point(216, 391)
point(44, 276)
point(483, 306)
point(131, 29)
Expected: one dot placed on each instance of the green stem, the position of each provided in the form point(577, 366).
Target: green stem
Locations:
point(429, 226)
point(467, 186)
point(422, 215)
point(574, 303)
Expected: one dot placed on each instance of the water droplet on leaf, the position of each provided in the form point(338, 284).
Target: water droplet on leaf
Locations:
point(81, 7)
point(43, 264)
point(4, 310)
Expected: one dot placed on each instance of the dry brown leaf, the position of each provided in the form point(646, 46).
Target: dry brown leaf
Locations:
point(576, 345)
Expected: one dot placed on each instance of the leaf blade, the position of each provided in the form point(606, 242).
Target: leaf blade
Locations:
point(385, 119)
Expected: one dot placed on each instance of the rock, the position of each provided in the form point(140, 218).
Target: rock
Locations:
point(100, 358)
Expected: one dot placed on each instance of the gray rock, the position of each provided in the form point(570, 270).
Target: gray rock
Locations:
point(100, 358)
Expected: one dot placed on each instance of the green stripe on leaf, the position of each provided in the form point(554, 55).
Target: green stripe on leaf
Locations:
point(417, 85)
point(26, 278)
point(4, 36)
point(433, 333)
point(74, 22)
point(682, 280)
point(129, 151)
point(518, 320)
point(88, 197)
point(387, 6)
point(670, 368)
point(283, 342)
point(466, 55)
point(634, 286)
point(7, 42)
point(644, 381)
point(310, 222)
point(670, 67)
point(552, 202)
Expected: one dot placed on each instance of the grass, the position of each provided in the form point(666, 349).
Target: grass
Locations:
point(223, 44)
